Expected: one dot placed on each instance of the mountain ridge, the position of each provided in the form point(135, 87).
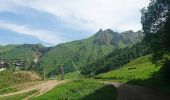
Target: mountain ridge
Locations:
point(79, 51)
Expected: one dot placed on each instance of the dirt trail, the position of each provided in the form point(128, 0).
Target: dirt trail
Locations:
point(42, 88)
point(125, 91)
point(134, 92)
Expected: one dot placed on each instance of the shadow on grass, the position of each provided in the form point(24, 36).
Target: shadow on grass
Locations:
point(107, 92)
point(156, 82)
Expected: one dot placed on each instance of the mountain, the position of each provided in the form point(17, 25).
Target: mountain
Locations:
point(131, 37)
point(90, 49)
point(80, 52)
point(116, 59)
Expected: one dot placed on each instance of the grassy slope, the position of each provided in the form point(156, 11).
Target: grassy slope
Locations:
point(7, 47)
point(140, 71)
point(80, 90)
point(88, 50)
point(79, 51)
point(18, 96)
point(9, 82)
point(140, 68)
point(24, 52)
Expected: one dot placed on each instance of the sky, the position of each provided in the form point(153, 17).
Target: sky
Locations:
point(51, 22)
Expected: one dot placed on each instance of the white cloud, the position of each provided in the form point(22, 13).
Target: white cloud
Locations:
point(88, 14)
point(42, 35)
point(94, 14)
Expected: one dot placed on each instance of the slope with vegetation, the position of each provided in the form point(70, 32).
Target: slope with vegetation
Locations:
point(104, 51)
point(116, 59)
point(88, 50)
point(156, 26)
point(140, 71)
point(9, 81)
point(140, 68)
point(81, 51)
point(30, 53)
point(7, 47)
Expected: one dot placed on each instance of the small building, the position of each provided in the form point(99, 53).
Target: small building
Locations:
point(20, 65)
point(3, 65)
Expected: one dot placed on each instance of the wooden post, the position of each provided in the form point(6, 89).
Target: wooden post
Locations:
point(44, 71)
point(62, 72)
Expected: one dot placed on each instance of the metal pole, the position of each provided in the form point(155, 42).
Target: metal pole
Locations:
point(75, 67)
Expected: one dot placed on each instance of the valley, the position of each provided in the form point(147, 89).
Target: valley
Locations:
point(51, 50)
point(135, 68)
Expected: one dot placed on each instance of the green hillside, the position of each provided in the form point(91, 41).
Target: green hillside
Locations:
point(140, 68)
point(81, 51)
point(6, 47)
point(26, 52)
point(139, 71)
point(116, 59)
point(10, 81)
point(90, 49)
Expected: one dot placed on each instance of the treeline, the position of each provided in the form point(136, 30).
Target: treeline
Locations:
point(156, 26)
point(116, 59)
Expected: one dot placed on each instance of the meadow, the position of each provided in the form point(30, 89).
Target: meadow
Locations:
point(140, 71)
point(140, 68)
point(18, 96)
point(80, 90)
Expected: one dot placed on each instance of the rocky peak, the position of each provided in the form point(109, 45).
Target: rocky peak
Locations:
point(104, 36)
point(105, 32)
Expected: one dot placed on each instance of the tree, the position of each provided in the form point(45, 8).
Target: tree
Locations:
point(156, 26)
point(116, 59)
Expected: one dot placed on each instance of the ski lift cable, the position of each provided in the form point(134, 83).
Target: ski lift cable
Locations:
point(75, 67)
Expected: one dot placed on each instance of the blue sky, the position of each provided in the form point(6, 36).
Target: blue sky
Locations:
point(51, 22)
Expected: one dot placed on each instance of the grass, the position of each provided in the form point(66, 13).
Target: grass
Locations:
point(7, 47)
point(140, 68)
point(9, 82)
point(18, 96)
point(80, 90)
point(71, 75)
point(141, 72)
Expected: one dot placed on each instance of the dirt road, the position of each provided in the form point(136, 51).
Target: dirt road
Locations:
point(42, 87)
point(134, 92)
point(125, 91)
